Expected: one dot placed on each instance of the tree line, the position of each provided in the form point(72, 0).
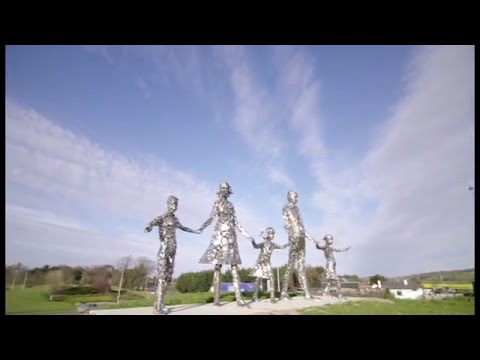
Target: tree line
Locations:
point(140, 274)
point(202, 281)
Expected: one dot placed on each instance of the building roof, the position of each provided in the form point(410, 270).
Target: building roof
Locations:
point(405, 284)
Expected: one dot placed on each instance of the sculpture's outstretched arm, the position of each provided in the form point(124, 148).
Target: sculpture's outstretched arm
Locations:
point(240, 228)
point(155, 222)
point(282, 246)
point(309, 237)
point(213, 213)
point(255, 245)
point(187, 229)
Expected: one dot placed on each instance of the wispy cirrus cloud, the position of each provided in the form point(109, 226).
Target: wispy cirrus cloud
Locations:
point(224, 78)
point(101, 50)
point(22, 214)
point(143, 86)
point(254, 118)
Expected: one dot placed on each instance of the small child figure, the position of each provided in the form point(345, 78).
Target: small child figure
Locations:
point(263, 266)
point(167, 228)
point(331, 267)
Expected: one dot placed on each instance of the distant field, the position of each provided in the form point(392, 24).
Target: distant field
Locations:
point(448, 306)
point(36, 300)
point(467, 275)
point(444, 285)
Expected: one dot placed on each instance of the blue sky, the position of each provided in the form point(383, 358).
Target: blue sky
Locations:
point(377, 140)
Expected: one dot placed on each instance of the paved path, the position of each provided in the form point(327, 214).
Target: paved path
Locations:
point(263, 307)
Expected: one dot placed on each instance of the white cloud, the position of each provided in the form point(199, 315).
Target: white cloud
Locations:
point(181, 65)
point(20, 214)
point(415, 178)
point(70, 172)
point(254, 118)
point(102, 50)
point(299, 92)
point(143, 86)
point(210, 73)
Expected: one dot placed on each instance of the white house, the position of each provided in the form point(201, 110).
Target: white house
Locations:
point(404, 289)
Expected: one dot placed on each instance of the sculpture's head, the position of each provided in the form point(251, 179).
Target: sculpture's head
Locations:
point(328, 239)
point(292, 197)
point(268, 234)
point(172, 203)
point(225, 189)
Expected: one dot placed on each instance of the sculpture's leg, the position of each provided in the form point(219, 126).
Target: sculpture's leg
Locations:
point(339, 287)
point(257, 285)
point(236, 285)
point(302, 275)
point(162, 269)
point(288, 272)
point(327, 288)
point(159, 307)
point(216, 284)
point(272, 289)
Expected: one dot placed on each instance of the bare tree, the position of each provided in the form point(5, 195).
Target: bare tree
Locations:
point(25, 277)
point(55, 280)
point(123, 264)
point(144, 268)
point(68, 276)
point(16, 269)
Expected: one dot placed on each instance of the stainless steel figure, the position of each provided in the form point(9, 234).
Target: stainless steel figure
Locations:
point(263, 266)
point(331, 276)
point(167, 226)
point(223, 248)
point(293, 224)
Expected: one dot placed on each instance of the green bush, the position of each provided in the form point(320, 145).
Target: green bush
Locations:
point(195, 281)
point(202, 281)
point(388, 295)
point(77, 290)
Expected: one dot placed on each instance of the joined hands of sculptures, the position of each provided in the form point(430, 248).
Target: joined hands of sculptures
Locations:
point(223, 249)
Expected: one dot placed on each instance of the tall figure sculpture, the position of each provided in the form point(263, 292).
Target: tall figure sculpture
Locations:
point(167, 226)
point(223, 248)
point(296, 235)
point(263, 266)
point(331, 267)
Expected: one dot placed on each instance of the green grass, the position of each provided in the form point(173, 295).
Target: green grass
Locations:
point(447, 306)
point(37, 300)
point(110, 297)
point(32, 300)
